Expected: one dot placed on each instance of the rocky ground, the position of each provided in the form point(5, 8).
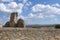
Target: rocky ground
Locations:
point(29, 34)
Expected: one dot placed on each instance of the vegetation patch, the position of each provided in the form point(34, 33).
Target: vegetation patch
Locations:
point(57, 26)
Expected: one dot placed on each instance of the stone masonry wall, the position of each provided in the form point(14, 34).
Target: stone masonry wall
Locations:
point(29, 34)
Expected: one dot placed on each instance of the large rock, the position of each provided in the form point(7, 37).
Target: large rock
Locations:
point(20, 23)
point(13, 21)
point(7, 24)
point(13, 17)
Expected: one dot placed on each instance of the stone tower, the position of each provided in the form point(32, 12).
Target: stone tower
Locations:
point(13, 19)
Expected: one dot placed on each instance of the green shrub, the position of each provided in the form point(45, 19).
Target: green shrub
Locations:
point(57, 26)
point(35, 27)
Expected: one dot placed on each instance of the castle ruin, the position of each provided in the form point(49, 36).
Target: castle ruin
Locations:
point(14, 21)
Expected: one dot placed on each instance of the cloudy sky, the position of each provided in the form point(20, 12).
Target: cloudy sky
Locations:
point(32, 11)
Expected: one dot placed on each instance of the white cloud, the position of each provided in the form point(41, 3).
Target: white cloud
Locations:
point(37, 16)
point(3, 8)
point(28, 3)
point(38, 8)
point(45, 9)
point(31, 15)
point(40, 16)
point(6, 0)
point(56, 5)
point(50, 16)
point(11, 7)
point(23, 1)
point(20, 16)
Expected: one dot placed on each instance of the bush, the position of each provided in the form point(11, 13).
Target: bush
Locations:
point(57, 26)
point(35, 27)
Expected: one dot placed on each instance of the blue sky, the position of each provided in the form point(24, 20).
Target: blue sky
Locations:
point(32, 11)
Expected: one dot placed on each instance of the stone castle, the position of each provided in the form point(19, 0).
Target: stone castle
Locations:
point(14, 21)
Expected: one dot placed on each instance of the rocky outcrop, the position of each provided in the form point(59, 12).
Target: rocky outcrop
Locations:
point(7, 24)
point(14, 17)
point(20, 23)
point(14, 22)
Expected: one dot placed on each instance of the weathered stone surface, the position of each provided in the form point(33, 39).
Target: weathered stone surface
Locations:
point(13, 19)
point(7, 24)
point(20, 23)
point(29, 34)
point(14, 22)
